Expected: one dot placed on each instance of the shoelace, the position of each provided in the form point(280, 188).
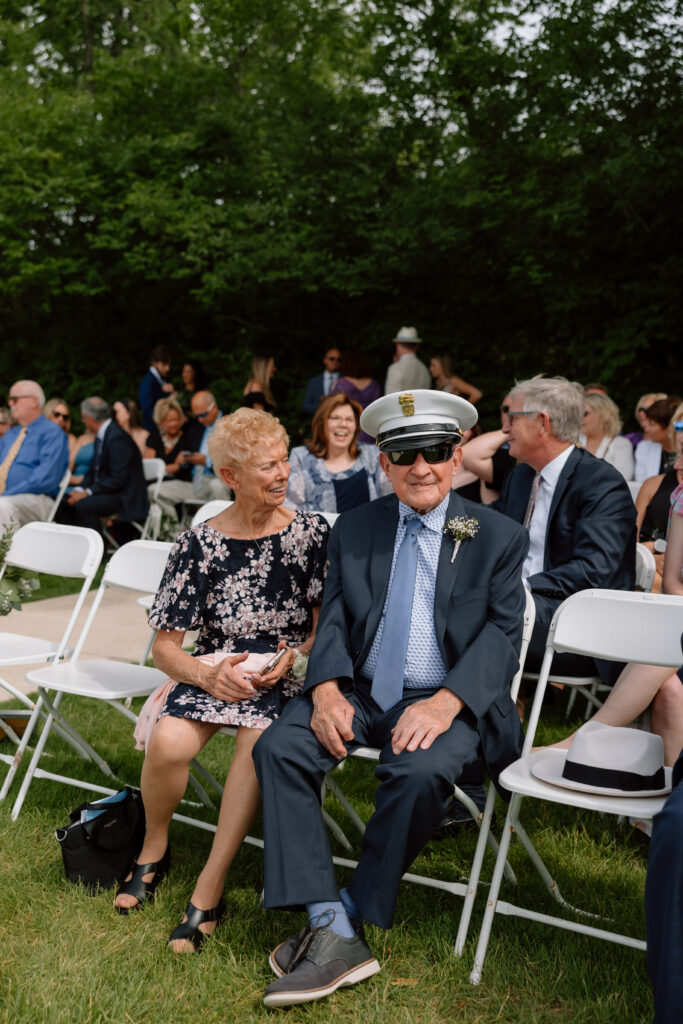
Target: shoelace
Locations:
point(309, 936)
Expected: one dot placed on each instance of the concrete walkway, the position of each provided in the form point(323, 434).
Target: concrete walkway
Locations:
point(119, 631)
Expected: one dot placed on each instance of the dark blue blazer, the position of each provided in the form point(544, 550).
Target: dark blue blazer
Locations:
point(478, 611)
point(591, 534)
point(120, 472)
point(314, 392)
point(150, 393)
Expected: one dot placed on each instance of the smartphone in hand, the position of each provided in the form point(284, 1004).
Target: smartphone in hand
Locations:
point(275, 660)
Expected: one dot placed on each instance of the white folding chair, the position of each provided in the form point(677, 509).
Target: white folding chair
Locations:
point(64, 551)
point(137, 566)
point(590, 686)
point(155, 471)
point(63, 484)
point(482, 818)
point(611, 624)
point(209, 510)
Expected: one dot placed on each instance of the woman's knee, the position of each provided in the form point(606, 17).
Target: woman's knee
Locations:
point(668, 702)
point(175, 741)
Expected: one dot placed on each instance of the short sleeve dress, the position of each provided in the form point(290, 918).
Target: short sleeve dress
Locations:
point(242, 595)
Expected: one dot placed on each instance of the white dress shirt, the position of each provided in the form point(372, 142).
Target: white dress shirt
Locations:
point(538, 526)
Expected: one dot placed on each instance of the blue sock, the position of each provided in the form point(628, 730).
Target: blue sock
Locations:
point(352, 911)
point(330, 914)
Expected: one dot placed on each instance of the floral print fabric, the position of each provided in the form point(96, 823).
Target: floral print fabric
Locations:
point(242, 595)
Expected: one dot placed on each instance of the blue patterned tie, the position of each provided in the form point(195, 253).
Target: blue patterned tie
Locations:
point(387, 683)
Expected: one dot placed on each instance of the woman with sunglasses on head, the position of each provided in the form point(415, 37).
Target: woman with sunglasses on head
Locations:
point(333, 472)
point(57, 410)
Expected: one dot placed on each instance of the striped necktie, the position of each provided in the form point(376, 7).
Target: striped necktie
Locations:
point(9, 459)
point(533, 497)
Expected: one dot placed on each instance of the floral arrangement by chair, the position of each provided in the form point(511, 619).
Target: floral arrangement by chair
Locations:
point(17, 584)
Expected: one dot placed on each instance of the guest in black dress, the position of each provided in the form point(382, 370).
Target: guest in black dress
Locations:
point(250, 580)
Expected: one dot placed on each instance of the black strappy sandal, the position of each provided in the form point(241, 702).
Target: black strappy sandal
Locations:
point(190, 929)
point(141, 890)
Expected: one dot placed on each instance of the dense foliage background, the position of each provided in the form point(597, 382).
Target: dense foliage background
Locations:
point(268, 176)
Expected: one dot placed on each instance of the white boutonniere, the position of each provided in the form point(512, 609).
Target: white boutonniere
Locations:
point(461, 528)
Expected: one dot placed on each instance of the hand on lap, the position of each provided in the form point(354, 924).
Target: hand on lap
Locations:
point(332, 718)
point(422, 722)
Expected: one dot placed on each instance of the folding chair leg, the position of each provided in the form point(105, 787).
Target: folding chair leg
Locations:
point(19, 753)
point(334, 789)
point(487, 923)
point(485, 838)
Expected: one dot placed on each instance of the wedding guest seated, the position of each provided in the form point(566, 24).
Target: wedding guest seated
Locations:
point(655, 453)
point(173, 439)
point(356, 383)
point(79, 463)
point(205, 484)
point(57, 410)
point(446, 379)
point(642, 405)
point(654, 502)
point(251, 581)
point(333, 472)
point(600, 436)
point(34, 455)
point(578, 509)
point(114, 485)
point(127, 416)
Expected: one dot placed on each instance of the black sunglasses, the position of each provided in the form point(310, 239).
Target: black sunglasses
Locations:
point(441, 452)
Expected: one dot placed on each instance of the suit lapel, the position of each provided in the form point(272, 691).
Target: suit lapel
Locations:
point(561, 486)
point(381, 553)
point(447, 572)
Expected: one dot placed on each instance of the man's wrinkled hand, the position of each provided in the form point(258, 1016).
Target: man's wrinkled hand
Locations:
point(75, 496)
point(332, 719)
point(423, 721)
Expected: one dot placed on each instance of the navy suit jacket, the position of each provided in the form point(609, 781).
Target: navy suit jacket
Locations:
point(315, 390)
point(591, 534)
point(478, 612)
point(150, 393)
point(120, 473)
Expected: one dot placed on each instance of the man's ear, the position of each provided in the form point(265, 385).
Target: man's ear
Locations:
point(384, 463)
point(457, 458)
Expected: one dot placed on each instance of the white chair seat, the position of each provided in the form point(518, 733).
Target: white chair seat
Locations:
point(16, 649)
point(518, 777)
point(99, 678)
point(146, 601)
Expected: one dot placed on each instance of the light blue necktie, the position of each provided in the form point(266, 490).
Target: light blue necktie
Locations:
point(387, 683)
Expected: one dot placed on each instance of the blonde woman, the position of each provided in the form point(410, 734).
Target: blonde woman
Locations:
point(262, 370)
point(250, 581)
point(600, 436)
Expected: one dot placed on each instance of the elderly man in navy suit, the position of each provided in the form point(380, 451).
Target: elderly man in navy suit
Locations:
point(415, 650)
point(578, 509)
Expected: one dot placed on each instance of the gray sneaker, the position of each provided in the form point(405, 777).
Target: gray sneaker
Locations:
point(283, 956)
point(323, 963)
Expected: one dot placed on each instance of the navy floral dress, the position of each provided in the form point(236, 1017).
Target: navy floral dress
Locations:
point(242, 595)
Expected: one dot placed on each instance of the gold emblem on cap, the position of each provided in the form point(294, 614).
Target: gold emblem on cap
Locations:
point(406, 401)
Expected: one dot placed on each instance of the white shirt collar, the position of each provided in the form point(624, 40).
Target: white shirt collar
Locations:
point(155, 373)
point(550, 473)
point(102, 430)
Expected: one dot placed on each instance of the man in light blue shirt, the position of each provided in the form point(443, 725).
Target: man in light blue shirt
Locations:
point(34, 456)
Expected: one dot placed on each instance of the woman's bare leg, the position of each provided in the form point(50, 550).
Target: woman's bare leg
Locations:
point(634, 690)
point(241, 800)
point(172, 745)
point(666, 717)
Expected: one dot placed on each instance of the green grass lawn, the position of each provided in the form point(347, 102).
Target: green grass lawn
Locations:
point(66, 956)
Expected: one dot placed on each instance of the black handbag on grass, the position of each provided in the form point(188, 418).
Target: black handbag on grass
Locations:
point(103, 839)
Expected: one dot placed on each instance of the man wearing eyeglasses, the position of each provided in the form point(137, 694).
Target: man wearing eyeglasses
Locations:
point(321, 385)
point(578, 509)
point(416, 646)
point(34, 456)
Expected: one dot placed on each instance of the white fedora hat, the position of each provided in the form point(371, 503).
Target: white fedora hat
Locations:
point(408, 335)
point(609, 760)
point(412, 419)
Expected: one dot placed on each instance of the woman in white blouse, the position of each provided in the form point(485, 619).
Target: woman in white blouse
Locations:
point(600, 428)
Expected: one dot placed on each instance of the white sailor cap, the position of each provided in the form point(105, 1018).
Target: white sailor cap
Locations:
point(413, 419)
